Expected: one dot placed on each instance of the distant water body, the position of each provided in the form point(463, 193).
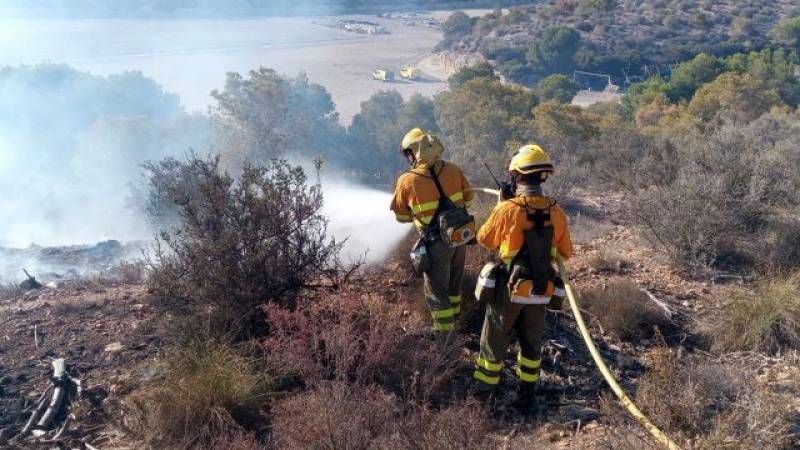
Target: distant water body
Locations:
point(191, 57)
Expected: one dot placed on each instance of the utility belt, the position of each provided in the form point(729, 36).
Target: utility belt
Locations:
point(531, 279)
point(420, 252)
point(495, 277)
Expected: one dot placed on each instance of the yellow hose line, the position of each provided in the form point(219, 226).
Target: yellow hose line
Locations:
point(485, 191)
point(659, 435)
point(637, 414)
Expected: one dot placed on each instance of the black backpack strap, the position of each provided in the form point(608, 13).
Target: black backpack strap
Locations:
point(435, 178)
point(442, 196)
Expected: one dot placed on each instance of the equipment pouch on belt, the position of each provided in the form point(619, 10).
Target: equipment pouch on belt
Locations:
point(523, 289)
point(420, 259)
point(557, 301)
point(489, 281)
point(456, 225)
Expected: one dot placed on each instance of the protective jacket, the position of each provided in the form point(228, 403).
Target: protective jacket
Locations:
point(505, 228)
point(416, 197)
point(505, 231)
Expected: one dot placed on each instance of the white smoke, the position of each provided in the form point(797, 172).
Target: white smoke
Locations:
point(362, 216)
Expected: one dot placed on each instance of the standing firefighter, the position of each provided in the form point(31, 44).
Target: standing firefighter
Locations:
point(528, 229)
point(434, 195)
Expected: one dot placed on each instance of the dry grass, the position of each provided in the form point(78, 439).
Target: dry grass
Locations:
point(607, 261)
point(337, 416)
point(702, 404)
point(129, 272)
point(766, 320)
point(623, 310)
point(208, 390)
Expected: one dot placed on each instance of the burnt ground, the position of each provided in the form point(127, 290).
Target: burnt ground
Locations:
point(110, 332)
point(103, 331)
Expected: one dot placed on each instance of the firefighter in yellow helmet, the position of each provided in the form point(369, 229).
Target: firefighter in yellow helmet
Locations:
point(527, 230)
point(430, 194)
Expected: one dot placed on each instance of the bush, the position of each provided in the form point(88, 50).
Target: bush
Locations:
point(624, 310)
point(239, 242)
point(672, 216)
point(341, 416)
point(559, 88)
point(607, 261)
point(766, 320)
point(335, 416)
point(787, 32)
point(207, 390)
point(480, 70)
point(354, 337)
point(784, 254)
point(704, 405)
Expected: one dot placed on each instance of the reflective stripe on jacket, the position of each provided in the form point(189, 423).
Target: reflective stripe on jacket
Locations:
point(504, 229)
point(415, 195)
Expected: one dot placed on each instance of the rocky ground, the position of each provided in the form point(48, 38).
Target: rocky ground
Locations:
point(109, 332)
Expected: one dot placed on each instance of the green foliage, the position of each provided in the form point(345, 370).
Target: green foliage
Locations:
point(645, 92)
point(556, 87)
point(739, 98)
point(787, 32)
point(479, 119)
point(457, 24)
point(480, 70)
point(688, 76)
point(776, 69)
point(554, 49)
point(616, 35)
point(376, 132)
point(596, 6)
point(268, 115)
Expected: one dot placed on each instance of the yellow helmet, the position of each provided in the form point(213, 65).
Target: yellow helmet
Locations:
point(425, 146)
point(529, 159)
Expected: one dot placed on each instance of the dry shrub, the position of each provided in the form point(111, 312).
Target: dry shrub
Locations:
point(784, 253)
point(766, 320)
point(207, 390)
point(671, 216)
point(624, 310)
point(335, 416)
point(129, 272)
point(359, 338)
point(713, 405)
point(338, 415)
point(607, 261)
point(238, 440)
point(238, 242)
point(462, 426)
point(701, 404)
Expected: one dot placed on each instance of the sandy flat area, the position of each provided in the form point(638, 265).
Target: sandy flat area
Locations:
point(191, 57)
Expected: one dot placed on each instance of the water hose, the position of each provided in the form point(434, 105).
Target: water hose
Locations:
point(637, 414)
